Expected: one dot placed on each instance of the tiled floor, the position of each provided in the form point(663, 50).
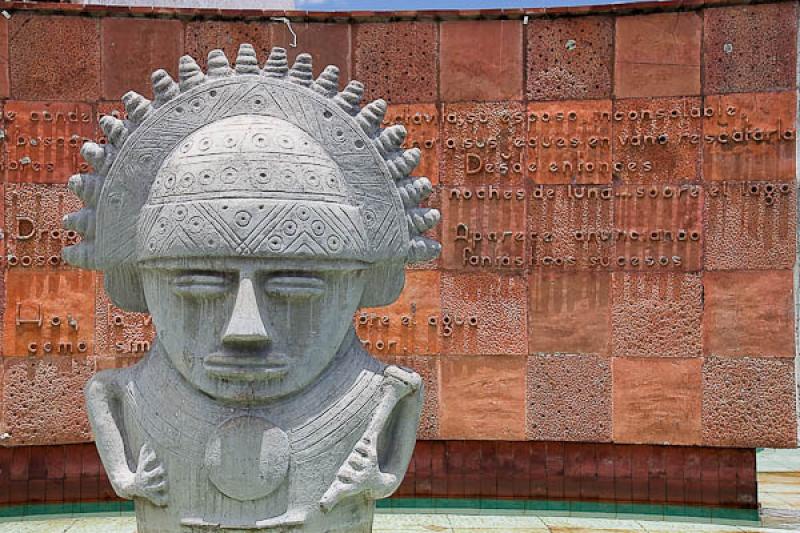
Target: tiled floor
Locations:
point(779, 493)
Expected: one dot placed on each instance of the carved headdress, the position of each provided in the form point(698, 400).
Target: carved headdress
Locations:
point(250, 161)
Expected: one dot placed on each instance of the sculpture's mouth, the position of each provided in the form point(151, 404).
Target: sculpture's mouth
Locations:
point(246, 366)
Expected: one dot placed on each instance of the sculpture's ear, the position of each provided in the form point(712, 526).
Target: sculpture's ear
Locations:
point(124, 286)
point(384, 283)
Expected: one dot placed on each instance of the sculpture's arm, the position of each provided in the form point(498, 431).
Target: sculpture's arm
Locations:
point(103, 406)
point(361, 473)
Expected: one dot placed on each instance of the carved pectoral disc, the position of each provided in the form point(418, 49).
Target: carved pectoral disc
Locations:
point(247, 458)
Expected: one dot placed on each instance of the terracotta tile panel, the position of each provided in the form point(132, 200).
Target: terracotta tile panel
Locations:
point(657, 315)
point(568, 312)
point(658, 55)
point(427, 367)
point(750, 136)
point(483, 144)
point(480, 60)
point(750, 48)
point(750, 225)
point(657, 400)
point(570, 227)
point(482, 398)
point(658, 227)
point(657, 140)
point(749, 313)
point(422, 125)
point(44, 139)
point(397, 61)
point(329, 44)
point(749, 402)
point(54, 57)
point(5, 82)
point(49, 313)
point(483, 314)
point(410, 326)
point(33, 233)
point(206, 35)
point(484, 228)
point(43, 400)
point(569, 58)
point(134, 48)
point(119, 333)
point(569, 142)
point(569, 398)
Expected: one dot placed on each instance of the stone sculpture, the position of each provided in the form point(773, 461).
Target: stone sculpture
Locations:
point(251, 211)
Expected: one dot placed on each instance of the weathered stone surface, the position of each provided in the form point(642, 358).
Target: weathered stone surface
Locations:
point(480, 60)
point(569, 58)
point(657, 315)
point(748, 313)
point(657, 400)
point(251, 213)
point(43, 400)
point(133, 49)
point(54, 57)
point(482, 397)
point(397, 61)
point(483, 314)
point(658, 55)
point(568, 312)
point(750, 48)
point(569, 398)
point(750, 225)
point(749, 402)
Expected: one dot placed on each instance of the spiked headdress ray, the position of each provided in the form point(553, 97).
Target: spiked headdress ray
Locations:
point(369, 159)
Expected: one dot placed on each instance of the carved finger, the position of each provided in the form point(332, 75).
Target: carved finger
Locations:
point(335, 493)
point(346, 474)
point(358, 463)
point(157, 472)
point(161, 486)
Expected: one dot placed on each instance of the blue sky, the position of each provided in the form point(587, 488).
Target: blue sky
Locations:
point(393, 5)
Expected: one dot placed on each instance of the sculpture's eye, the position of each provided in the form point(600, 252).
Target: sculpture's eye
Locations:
point(295, 287)
point(201, 284)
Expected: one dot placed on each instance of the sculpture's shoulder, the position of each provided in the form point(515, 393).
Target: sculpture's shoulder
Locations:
point(109, 382)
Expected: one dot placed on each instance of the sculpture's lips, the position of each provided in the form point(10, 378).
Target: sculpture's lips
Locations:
point(246, 366)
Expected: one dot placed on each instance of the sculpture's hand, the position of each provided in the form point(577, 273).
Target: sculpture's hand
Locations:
point(359, 474)
point(150, 479)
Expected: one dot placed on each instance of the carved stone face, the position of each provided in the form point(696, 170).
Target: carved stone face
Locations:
point(251, 329)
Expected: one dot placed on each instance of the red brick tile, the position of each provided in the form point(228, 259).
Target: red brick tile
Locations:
point(483, 314)
point(489, 464)
point(411, 325)
point(749, 402)
point(750, 136)
point(657, 400)
point(397, 61)
point(555, 470)
point(205, 35)
point(54, 491)
point(504, 459)
point(520, 471)
point(120, 333)
point(640, 482)
point(537, 466)
point(329, 44)
point(750, 225)
point(54, 461)
point(569, 142)
point(44, 139)
point(572, 471)
point(43, 400)
point(54, 57)
point(423, 131)
point(134, 48)
point(569, 57)
point(438, 469)
point(622, 473)
point(709, 480)
point(570, 227)
point(658, 55)
point(422, 472)
point(481, 60)
point(657, 315)
point(657, 140)
point(472, 469)
point(569, 398)
point(657, 476)
point(455, 468)
point(482, 397)
point(559, 302)
point(749, 313)
point(483, 144)
point(750, 48)
point(34, 235)
point(483, 233)
point(51, 313)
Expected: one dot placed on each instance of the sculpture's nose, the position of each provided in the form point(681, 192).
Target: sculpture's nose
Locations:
point(245, 327)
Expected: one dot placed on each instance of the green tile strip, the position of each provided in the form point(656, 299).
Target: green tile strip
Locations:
point(453, 505)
